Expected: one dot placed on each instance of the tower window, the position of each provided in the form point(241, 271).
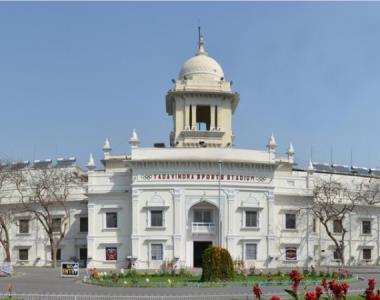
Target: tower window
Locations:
point(203, 117)
point(216, 116)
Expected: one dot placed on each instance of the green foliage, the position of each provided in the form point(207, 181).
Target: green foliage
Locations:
point(184, 273)
point(294, 295)
point(306, 272)
point(217, 265)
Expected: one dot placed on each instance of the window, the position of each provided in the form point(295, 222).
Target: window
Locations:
point(83, 224)
point(83, 253)
point(367, 254)
point(56, 224)
point(111, 253)
point(23, 254)
point(336, 255)
point(203, 116)
point(156, 218)
point(291, 253)
point(202, 216)
point(111, 220)
point(157, 251)
point(250, 251)
point(337, 226)
point(58, 254)
point(251, 219)
point(366, 227)
point(24, 226)
point(290, 221)
point(314, 225)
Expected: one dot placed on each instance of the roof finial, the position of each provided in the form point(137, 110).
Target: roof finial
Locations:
point(201, 43)
point(91, 163)
point(134, 140)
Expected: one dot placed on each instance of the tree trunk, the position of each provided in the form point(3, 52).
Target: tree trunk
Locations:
point(341, 254)
point(7, 253)
point(6, 243)
point(53, 253)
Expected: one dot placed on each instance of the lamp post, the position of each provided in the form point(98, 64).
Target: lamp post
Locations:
point(219, 202)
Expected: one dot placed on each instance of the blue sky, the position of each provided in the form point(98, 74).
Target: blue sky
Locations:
point(72, 74)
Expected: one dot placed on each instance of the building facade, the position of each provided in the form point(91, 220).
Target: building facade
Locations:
point(29, 241)
point(170, 203)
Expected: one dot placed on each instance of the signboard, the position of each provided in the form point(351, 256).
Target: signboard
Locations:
point(69, 269)
point(111, 253)
point(291, 253)
point(201, 177)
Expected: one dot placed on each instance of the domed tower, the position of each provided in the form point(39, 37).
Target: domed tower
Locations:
point(201, 103)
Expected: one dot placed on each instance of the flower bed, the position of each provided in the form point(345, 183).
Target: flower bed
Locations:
point(187, 279)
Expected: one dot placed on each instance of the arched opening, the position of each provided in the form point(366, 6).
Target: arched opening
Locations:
point(203, 229)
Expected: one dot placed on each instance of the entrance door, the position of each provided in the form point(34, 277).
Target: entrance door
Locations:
point(83, 257)
point(199, 247)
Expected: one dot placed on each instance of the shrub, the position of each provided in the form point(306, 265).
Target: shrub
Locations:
point(184, 273)
point(168, 267)
point(217, 264)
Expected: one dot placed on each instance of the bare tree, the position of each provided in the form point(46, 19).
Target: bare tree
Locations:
point(333, 201)
point(45, 193)
point(6, 213)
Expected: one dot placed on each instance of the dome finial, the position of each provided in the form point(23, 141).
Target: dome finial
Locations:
point(201, 43)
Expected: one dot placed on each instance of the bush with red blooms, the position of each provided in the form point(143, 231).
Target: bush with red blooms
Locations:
point(275, 298)
point(339, 291)
point(369, 292)
point(311, 296)
point(257, 291)
point(296, 279)
point(318, 292)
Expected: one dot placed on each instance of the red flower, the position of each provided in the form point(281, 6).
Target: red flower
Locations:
point(275, 298)
point(371, 284)
point(345, 287)
point(257, 291)
point(318, 292)
point(296, 278)
point(311, 296)
point(324, 284)
point(369, 294)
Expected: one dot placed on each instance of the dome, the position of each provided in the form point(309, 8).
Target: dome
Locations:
point(201, 64)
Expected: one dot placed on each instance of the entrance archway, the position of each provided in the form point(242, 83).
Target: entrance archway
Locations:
point(203, 219)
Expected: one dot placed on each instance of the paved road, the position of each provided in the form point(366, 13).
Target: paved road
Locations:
point(48, 281)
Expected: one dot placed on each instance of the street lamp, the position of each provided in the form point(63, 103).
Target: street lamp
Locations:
point(219, 200)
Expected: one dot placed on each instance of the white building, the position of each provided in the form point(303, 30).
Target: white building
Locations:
point(170, 203)
point(160, 203)
point(29, 243)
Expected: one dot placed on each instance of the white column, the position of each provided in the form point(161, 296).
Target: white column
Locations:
point(194, 117)
point(270, 226)
point(187, 117)
point(212, 119)
point(231, 226)
point(178, 221)
point(220, 116)
point(91, 233)
point(135, 222)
